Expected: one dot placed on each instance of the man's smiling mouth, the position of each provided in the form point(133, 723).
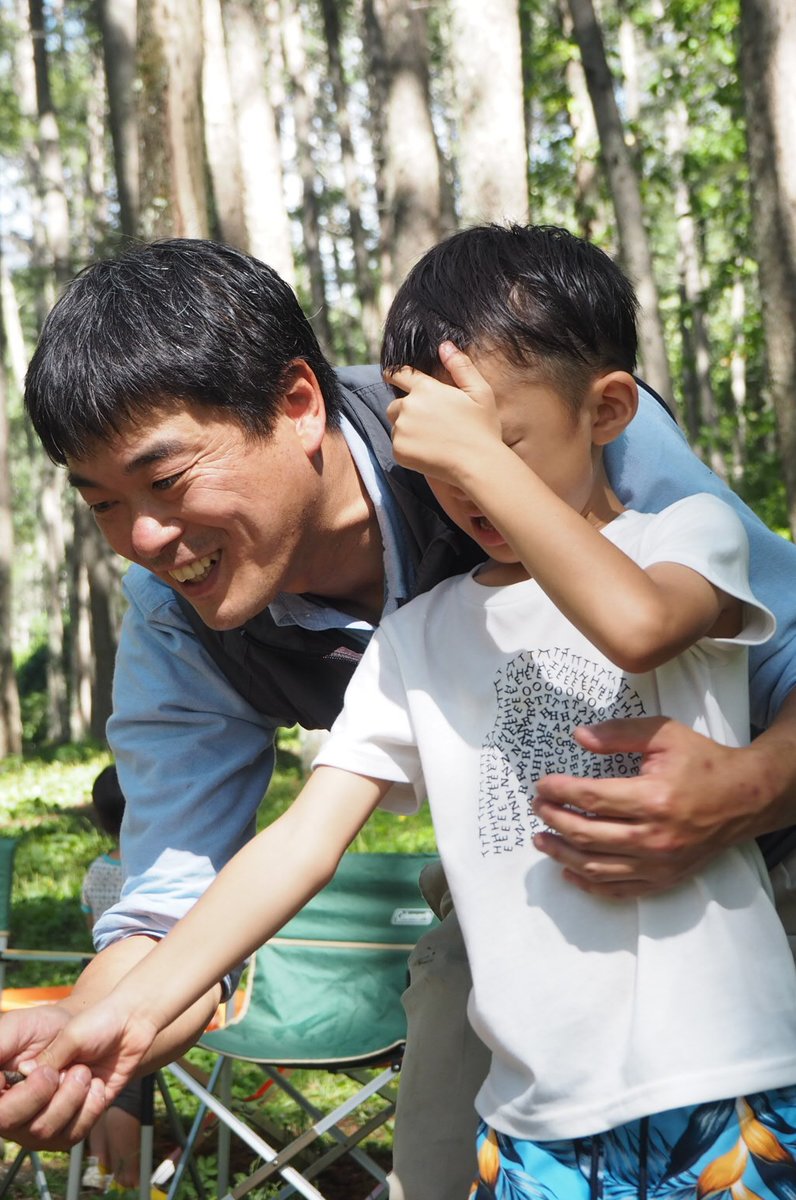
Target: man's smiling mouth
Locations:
point(196, 571)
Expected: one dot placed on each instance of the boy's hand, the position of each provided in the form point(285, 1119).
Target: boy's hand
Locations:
point(106, 1038)
point(440, 429)
point(46, 1111)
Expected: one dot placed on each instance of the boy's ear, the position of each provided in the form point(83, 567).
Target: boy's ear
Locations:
point(614, 400)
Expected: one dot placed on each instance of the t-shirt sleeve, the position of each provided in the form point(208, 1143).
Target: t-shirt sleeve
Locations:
point(703, 533)
point(373, 735)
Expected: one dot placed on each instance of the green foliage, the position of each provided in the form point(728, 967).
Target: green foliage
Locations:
point(32, 684)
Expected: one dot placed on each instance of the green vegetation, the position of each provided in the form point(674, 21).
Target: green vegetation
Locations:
point(45, 803)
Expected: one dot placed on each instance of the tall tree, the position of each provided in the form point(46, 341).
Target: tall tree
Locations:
point(118, 23)
point(623, 181)
point(371, 318)
point(411, 220)
point(221, 142)
point(297, 69)
point(768, 63)
point(491, 146)
point(10, 720)
point(173, 198)
point(265, 211)
point(52, 252)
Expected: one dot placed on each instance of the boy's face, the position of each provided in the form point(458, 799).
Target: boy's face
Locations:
point(539, 425)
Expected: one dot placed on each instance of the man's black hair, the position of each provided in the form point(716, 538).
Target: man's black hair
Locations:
point(541, 297)
point(182, 319)
point(108, 801)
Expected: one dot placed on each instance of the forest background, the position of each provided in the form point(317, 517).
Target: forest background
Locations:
point(337, 140)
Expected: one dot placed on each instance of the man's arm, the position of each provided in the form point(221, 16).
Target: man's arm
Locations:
point(194, 761)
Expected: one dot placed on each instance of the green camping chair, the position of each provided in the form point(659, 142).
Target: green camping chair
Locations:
point(324, 994)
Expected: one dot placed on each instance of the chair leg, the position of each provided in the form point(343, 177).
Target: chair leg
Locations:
point(326, 1124)
point(75, 1169)
point(224, 1131)
point(246, 1135)
point(147, 1136)
point(175, 1123)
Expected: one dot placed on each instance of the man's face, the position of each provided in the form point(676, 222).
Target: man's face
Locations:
point(224, 517)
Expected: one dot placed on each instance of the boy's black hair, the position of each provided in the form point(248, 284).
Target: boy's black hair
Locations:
point(182, 319)
point(108, 801)
point(538, 295)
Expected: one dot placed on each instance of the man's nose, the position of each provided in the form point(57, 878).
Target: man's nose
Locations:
point(152, 533)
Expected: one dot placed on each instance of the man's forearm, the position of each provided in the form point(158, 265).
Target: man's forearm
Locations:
point(104, 972)
point(773, 796)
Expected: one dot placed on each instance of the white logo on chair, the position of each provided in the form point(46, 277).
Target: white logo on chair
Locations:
point(412, 916)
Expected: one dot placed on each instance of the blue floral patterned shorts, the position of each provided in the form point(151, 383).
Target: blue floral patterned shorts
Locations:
point(741, 1149)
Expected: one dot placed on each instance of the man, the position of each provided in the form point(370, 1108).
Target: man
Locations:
point(184, 390)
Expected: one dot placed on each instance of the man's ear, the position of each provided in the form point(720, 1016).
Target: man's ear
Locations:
point(613, 401)
point(304, 405)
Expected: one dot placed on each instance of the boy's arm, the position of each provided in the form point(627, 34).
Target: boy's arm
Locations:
point(638, 618)
point(266, 883)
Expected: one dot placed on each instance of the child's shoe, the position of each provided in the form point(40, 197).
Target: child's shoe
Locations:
point(119, 1192)
point(94, 1177)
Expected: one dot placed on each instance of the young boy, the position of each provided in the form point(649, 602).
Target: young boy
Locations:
point(624, 1035)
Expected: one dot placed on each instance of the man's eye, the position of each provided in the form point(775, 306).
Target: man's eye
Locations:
point(163, 485)
point(102, 506)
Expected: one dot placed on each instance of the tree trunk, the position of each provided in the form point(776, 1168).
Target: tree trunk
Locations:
point(80, 654)
point(412, 178)
point(585, 139)
point(54, 241)
point(492, 156)
point(260, 155)
point(703, 426)
point(104, 577)
point(378, 95)
point(52, 549)
point(625, 192)
point(297, 73)
point(173, 200)
point(51, 172)
point(738, 380)
point(221, 143)
point(10, 719)
point(768, 64)
point(118, 22)
point(371, 322)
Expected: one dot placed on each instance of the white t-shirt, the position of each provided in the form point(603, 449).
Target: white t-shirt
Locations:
point(596, 1011)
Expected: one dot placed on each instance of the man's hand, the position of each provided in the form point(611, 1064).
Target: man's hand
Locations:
point(41, 1112)
point(632, 837)
point(439, 428)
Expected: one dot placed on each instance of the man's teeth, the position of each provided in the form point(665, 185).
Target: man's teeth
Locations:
point(194, 571)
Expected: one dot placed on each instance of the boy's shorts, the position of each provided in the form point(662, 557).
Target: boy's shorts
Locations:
point(731, 1149)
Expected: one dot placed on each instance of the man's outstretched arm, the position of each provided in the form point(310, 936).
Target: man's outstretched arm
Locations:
point(693, 798)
